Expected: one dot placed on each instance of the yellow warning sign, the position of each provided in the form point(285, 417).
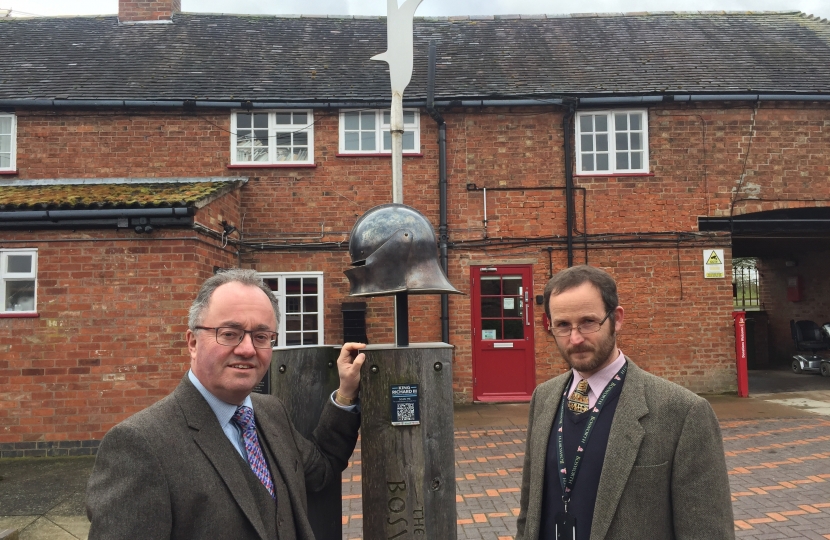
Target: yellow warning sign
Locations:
point(713, 266)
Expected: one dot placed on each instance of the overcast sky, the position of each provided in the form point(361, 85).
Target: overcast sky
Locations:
point(427, 8)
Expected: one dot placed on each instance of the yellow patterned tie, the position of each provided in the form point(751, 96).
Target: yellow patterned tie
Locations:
point(578, 400)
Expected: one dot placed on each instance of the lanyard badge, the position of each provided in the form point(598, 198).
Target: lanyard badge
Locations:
point(565, 522)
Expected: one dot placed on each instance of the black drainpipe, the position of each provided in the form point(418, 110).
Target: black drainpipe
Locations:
point(443, 232)
point(569, 178)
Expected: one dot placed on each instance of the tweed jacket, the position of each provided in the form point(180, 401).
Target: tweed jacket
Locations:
point(169, 471)
point(664, 474)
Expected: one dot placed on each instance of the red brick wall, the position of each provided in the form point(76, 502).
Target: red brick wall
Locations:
point(677, 323)
point(147, 10)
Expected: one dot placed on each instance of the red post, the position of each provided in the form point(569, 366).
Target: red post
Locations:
point(740, 352)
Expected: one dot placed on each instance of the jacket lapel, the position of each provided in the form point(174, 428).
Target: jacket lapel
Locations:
point(623, 445)
point(209, 437)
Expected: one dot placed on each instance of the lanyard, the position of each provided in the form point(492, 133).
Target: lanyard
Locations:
point(566, 480)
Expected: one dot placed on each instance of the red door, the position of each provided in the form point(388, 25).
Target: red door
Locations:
point(502, 324)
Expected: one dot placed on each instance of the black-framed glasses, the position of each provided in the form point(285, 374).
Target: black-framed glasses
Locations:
point(588, 327)
point(231, 337)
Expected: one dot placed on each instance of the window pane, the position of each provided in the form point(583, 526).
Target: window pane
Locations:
point(292, 286)
point(301, 154)
point(636, 121)
point(309, 285)
point(292, 338)
point(351, 120)
point(409, 140)
point(261, 121)
point(292, 304)
point(309, 304)
point(5, 125)
point(587, 142)
point(622, 160)
point(636, 141)
point(243, 121)
point(587, 162)
point(602, 143)
point(387, 140)
point(309, 322)
point(19, 264)
point(621, 122)
point(20, 296)
point(622, 141)
point(300, 118)
point(491, 307)
point(601, 122)
point(367, 120)
point(283, 139)
point(310, 338)
point(352, 141)
point(409, 117)
point(243, 154)
point(283, 154)
point(367, 140)
point(490, 285)
point(492, 324)
point(283, 119)
point(292, 323)
point(636, 160)
point(5, 143)
point(513, 329)
point(586, 123)
point(273, 284)
point(301, 138)
point(602, 162)
point(387, 118)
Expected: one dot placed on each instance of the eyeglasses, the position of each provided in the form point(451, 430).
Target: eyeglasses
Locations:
point(588, 327)
point(231, 337)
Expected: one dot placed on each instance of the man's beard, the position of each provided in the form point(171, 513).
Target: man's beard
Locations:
point(601, 353)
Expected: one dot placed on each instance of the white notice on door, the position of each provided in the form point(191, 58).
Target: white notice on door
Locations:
point(509, 303)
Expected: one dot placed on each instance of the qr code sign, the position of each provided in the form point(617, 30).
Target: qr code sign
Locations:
point(406, 412)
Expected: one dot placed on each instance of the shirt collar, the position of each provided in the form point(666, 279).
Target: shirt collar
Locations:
point(223, 411)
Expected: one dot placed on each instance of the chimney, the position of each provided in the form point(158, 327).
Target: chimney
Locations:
point(138, 11)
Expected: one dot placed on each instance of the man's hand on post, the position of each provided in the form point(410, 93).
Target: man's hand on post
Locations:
point(348, 367)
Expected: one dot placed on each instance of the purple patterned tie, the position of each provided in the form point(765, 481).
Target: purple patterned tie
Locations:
point(244, 418)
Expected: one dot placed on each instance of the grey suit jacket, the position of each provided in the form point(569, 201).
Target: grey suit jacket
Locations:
point(664, 474)
point(169, 471)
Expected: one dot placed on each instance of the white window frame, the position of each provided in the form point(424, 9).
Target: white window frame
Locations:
point(276, 132)
point(281, 300)
point(7, 277)
point(612, 133)
point(12, 136)
point(381, 129)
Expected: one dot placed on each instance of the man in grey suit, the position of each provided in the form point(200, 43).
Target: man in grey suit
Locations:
point(213, 460)
point(614, 452)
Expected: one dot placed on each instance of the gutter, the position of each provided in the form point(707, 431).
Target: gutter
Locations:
point(140, 219)
point(460, 102)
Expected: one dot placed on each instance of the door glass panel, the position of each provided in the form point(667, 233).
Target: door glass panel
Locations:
point(292, 304)
point(310, 304)
point(309, 322)
point(309, 338)
point(511, 306)
point(292, 338)
point(513, 329)
point(491, 307)
point(490, 285)
point(512, 285)
point(292, 286)
point(292, 323)
point(491, 329)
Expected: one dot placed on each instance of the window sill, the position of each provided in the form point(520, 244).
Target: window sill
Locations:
point(612, 175)
point(275, 166)
point(19, 315)
point(10, 173)
point(409, 154)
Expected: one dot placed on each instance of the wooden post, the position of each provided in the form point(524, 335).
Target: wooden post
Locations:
point(408, 470)
point(304, 378)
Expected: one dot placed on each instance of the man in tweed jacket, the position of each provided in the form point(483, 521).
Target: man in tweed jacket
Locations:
point(180, 469)
point(657, 471)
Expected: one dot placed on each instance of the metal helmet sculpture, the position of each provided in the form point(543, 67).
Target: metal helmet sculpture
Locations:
point(394, 249)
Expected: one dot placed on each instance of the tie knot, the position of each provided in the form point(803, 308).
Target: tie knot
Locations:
point(244, 417)
point(582, 387)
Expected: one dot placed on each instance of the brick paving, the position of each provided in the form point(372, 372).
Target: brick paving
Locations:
point(779, 471)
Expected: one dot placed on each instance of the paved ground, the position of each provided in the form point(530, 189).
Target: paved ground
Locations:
point(778, 457)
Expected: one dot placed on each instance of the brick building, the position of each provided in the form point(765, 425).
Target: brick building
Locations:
point(141, 153)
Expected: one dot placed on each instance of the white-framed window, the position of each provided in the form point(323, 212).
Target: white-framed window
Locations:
point(612, 141)
point(272, 137)
point(8, 142)
point(18, 280)
point(367, 132)
point(300, 297)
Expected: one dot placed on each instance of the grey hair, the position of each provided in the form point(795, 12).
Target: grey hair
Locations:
point(234, 275)
point(575, 276)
